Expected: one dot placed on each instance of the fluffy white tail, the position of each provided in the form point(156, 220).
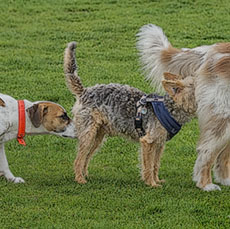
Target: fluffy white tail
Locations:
point(158, 56)
point(151, 42)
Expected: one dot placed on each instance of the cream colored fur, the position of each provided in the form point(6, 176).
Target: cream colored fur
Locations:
point(210, 65)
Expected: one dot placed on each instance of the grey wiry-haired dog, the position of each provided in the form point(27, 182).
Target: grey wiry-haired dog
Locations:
point(110, 110)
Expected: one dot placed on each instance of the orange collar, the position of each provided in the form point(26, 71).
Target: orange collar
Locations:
point(21, 122)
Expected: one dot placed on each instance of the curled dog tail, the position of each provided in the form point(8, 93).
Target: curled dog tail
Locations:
point(158, 56)
point(70, 69)
point(151, 42)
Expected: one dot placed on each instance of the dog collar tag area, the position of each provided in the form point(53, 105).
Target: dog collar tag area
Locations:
point(21, 122)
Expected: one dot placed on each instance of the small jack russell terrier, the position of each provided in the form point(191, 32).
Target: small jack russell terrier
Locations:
point(21, 117)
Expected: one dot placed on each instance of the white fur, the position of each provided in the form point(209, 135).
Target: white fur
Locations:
point(151, 41)
point(9, 130)
point(206, 151)
point(211, 187)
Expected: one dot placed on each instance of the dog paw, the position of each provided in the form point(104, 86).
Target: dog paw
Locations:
point(156, 186)
point(160, 181)
point(211, 187)
point(17, 180)
point(152, 184)
point(80, 180)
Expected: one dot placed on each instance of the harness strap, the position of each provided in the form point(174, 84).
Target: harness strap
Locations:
point(141, 109)
point(166, 120)
point(161, 112)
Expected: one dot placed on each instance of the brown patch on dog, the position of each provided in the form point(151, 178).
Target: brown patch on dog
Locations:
point(182, 92)
point(52, 116)
point(172, 87)
point(222, 67)
point(220, 126)
point(223, 47)
point(170, 76)
point(56, 118)
point(216, 126)
point(167, 54)
point(222, 166)
point(206, 177)
point(2, 103)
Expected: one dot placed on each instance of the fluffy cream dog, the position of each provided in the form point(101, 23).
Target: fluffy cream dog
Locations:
point(211, 67)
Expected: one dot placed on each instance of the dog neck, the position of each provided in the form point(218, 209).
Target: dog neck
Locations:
point(180, 115)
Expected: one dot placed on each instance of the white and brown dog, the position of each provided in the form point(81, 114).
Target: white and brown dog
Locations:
point(211, 67)
point(21, 117)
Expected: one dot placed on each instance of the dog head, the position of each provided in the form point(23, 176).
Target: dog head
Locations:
point(52, 117)
point(182, 91)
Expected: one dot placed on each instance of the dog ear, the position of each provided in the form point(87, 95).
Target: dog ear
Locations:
point(36, 114)
point(2, 103)
point(170, 76)
point(173, 87)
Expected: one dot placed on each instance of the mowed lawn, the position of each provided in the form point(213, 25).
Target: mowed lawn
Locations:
point(33, 35)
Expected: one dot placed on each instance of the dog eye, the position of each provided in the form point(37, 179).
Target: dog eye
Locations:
point(64, 116)
point(176, 90)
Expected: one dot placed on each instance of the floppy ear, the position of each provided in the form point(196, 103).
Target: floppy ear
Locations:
point(170, 76)
point(173, 87)
point(2, 103)
point(36, 114)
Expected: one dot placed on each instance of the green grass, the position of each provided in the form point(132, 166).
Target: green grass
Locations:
point(33, 35)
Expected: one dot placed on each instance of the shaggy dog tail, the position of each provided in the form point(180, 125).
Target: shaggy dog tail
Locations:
point(70, 69)
point(151, 42)
point(158, 56)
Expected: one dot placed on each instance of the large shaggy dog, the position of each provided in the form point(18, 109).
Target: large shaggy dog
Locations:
point(210, 65)
point(111, 109)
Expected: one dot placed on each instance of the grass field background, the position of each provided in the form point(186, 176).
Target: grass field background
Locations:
point(33, 35)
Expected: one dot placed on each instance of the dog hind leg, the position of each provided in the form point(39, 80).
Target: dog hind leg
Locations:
point(98, 140)
point(158, 153)
point(86, 143)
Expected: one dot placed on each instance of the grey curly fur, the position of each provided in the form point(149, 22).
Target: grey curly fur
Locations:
point(116, 101)
point(110, 110)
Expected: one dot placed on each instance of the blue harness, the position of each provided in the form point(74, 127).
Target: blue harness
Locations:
point(161, 112)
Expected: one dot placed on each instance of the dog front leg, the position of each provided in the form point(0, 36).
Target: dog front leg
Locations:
point(209, 148)
point(148, 151)
point(158, 153)
point(4, 168)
